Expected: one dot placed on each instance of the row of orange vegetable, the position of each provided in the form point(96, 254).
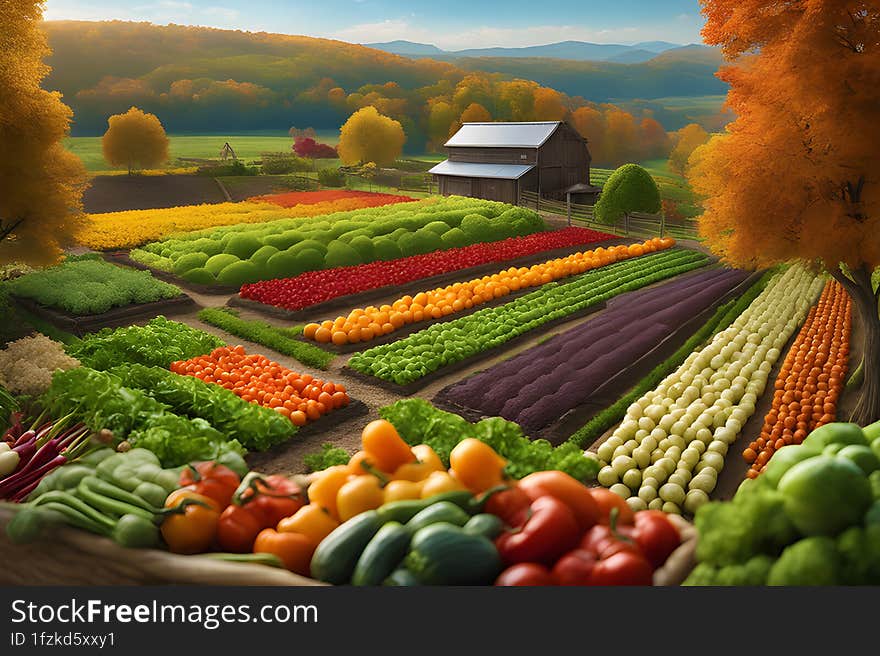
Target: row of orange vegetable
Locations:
point(365, 324)
point(810, 380)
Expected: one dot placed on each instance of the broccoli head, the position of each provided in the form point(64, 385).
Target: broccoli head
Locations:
point(811, 561)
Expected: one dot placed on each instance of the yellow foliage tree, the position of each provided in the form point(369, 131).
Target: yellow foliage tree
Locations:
point(368, 136)
point(41, 183)
point(796, 175)
point(475, 113)
point(549, 105)
point(687, 140)
point(441, 121)
point(135, 140)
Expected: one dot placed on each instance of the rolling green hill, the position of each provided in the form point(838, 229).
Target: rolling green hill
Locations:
point(203, 80)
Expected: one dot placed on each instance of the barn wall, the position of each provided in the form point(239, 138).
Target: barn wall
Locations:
point(492, 155)
point(563, 160)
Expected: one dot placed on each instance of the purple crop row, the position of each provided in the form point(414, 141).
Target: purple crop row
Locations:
point(538, 386)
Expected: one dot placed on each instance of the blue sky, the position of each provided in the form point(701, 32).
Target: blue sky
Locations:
point(449, 24)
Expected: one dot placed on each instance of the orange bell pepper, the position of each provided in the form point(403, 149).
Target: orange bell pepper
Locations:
point(427, 461)
point(384, 446)
point(358, 495)
point(311, 520)
point(324, 489)
point(293, 549)
point(439, 482)
point(402, 490)
point(193, 530)
point(476, 465)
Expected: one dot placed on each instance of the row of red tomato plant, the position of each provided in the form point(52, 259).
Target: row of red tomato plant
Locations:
point(315, 287)
point(368, 198)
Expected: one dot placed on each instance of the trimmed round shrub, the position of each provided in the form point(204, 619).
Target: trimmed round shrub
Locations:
point(189, 261)
point(282, 265)
point(629, 189)
point(438, 226)
point(284, 240)
point(524, 221)
point(364, 247)
point(238, 273)
point(207, 246)
point(407, 244)
point(263, 254)
point(428, 240)
point(200, 276)
point(477, 227)
point(400, 232)
point(340, 254)
point(308, 260)
point(343, 226)
point(242, 246)
point(386, 249)
point(308, 244)
point(454, 238)
point(217, 263)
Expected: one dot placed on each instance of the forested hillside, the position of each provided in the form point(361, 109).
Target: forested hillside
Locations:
point(203, 80)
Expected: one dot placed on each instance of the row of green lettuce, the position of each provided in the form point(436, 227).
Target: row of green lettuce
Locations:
point(124, 386)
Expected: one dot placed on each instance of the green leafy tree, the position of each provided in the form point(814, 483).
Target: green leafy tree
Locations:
point(629, 189)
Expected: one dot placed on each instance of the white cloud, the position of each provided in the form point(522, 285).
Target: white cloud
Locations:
point(486, 36)
point(160, 12)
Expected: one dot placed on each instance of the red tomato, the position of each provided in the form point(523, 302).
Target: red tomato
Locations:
point(623, 568)
point(656, 536)
point(575, 568)
point(607, 500)
point(571, 492)
point(525, 574)
point(509, 505)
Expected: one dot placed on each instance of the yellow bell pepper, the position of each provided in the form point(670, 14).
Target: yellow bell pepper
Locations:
point(402, 490)
point(311, 520)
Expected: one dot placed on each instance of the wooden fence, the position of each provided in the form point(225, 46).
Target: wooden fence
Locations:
point(635, 224)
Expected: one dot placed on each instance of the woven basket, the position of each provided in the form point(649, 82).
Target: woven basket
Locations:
point(72, 557)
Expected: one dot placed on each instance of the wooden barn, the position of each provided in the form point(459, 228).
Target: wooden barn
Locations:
point(498, 161)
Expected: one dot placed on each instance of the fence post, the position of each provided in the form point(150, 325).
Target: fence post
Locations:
point(568, 207)
point(662, 224)
point(626, 223)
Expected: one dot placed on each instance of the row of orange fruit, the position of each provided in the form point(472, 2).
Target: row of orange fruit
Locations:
point(810, 380)
point(365, 324)
point(257, 379)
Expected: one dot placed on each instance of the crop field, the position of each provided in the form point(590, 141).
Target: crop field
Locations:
point(396, 349)
point(247, 147)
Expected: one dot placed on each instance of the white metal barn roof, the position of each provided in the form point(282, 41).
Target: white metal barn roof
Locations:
point(503, 135)
point(474, 170)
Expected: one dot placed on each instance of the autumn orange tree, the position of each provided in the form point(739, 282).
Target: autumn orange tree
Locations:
point(41, 183)
point(368, 136)
point(797, 174)
point(135, 140)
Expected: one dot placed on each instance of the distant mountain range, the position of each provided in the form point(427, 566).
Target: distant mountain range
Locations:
point(571, 50)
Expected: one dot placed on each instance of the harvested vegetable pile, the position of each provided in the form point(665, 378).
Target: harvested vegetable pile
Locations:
point(27, 365)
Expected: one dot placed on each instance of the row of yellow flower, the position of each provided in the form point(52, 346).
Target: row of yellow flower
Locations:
point(117, 230)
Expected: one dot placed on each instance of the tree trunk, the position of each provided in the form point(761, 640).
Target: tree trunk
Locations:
point(865, 301)
point(868, 409)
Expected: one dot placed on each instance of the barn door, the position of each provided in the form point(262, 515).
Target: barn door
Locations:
point(460, 186)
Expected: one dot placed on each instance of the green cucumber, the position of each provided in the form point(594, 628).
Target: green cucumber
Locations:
point(403, 511)
point(443, 554)
point(383, 553)
point(489, 526)
point(401, 577)
point(442, 511)
point(336, 557)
